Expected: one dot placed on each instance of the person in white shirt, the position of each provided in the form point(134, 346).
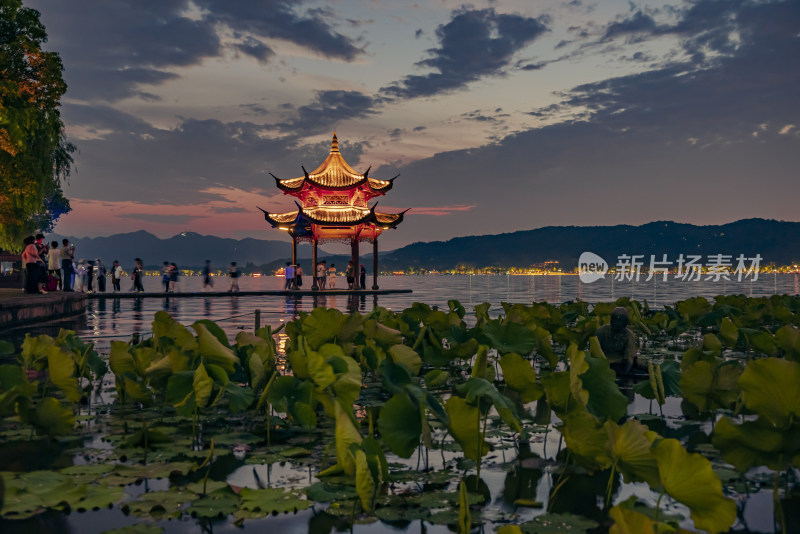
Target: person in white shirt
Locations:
point(116, 275)
point(54, 262)
point(321, 272)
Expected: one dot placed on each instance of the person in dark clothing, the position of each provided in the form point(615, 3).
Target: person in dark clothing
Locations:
point(90, 276)
point(101, 276)
point(363, 277)
point(138, 272)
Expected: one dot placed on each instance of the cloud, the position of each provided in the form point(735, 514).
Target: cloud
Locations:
point(329, 108)
point(671, 143)
point(257, 49)
point(441, 210)
point(472, 45)
point(113, 48)
point(133, 160)
point(281, 19)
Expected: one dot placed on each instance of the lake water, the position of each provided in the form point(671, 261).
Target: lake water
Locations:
point(117, 319)
point(108, 319)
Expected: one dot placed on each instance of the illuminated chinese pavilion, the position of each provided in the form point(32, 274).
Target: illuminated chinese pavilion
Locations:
point(333, 206)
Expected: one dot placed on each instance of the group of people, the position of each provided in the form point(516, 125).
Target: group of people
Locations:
point(324, 276)
point(50, 268)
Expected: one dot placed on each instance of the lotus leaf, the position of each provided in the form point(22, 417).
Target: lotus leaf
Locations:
point(670, 376)
point(346, 435)
point(521, 377)
point(365, 483)
point(760, 341)
point(213, 350)
point(770, 388)
point(788, 340)
point(168, 332)
point(627, 521)
point(757, 443)
point(599, 381)
point(321, 326)
point(510, 337)
point(629, 450)
point(400, 425)
point(710, 386)
point(160, 504)
point(558, 524)
point(689, 479)
point(712, 344)
point(217, 504)
point(405, 355)
point(52, 418)
point(728, 332)
point(347, 386)
point(202, 385)
point(239, 398)
point(586, 439)
point(436, 378)
point(61, 369)
point(271, 500)
point(465, 427)
point(477, 389)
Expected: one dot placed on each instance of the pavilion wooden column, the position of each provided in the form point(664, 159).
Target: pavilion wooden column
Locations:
point(314, 285)
point(354, 258)
point(294, 250)
point(375, 263)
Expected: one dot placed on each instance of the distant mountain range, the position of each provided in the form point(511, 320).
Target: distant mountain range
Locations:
point(188, 249)
point(775, 241)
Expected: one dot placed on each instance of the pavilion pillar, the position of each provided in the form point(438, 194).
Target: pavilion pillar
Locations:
point(314, 285)
point(354, 258)
point(375, 263)
point(294, 249)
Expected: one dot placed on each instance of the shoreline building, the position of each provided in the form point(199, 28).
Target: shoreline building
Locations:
point(333, 207)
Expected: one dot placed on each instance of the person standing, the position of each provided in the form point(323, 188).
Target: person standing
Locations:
point(66, 265)
point(116, 276)
point(207, 282)
point(348, 273)
point(173, 277)
point(363, 277)
point(54, 263)
point(321, 272)
point(42, 249)
point(298, 277)
point(289, 274)
point(332, 276)
point(80, 276)
point(165, 276)
point(138, 272)
point(233, 272)
point(90, 276)
point(101, 276)
point(30, 257)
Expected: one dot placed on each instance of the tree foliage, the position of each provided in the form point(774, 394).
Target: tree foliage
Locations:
point(34, 153)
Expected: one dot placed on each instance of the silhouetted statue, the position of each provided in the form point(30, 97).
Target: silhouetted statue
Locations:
point(617, 341)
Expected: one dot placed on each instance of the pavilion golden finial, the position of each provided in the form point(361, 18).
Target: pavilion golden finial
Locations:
point(334, 144)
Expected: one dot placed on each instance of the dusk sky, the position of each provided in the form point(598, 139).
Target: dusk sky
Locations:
point(499, 116)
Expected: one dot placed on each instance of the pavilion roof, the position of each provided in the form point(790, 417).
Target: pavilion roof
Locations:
point(334, 173)
point(325, 215)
